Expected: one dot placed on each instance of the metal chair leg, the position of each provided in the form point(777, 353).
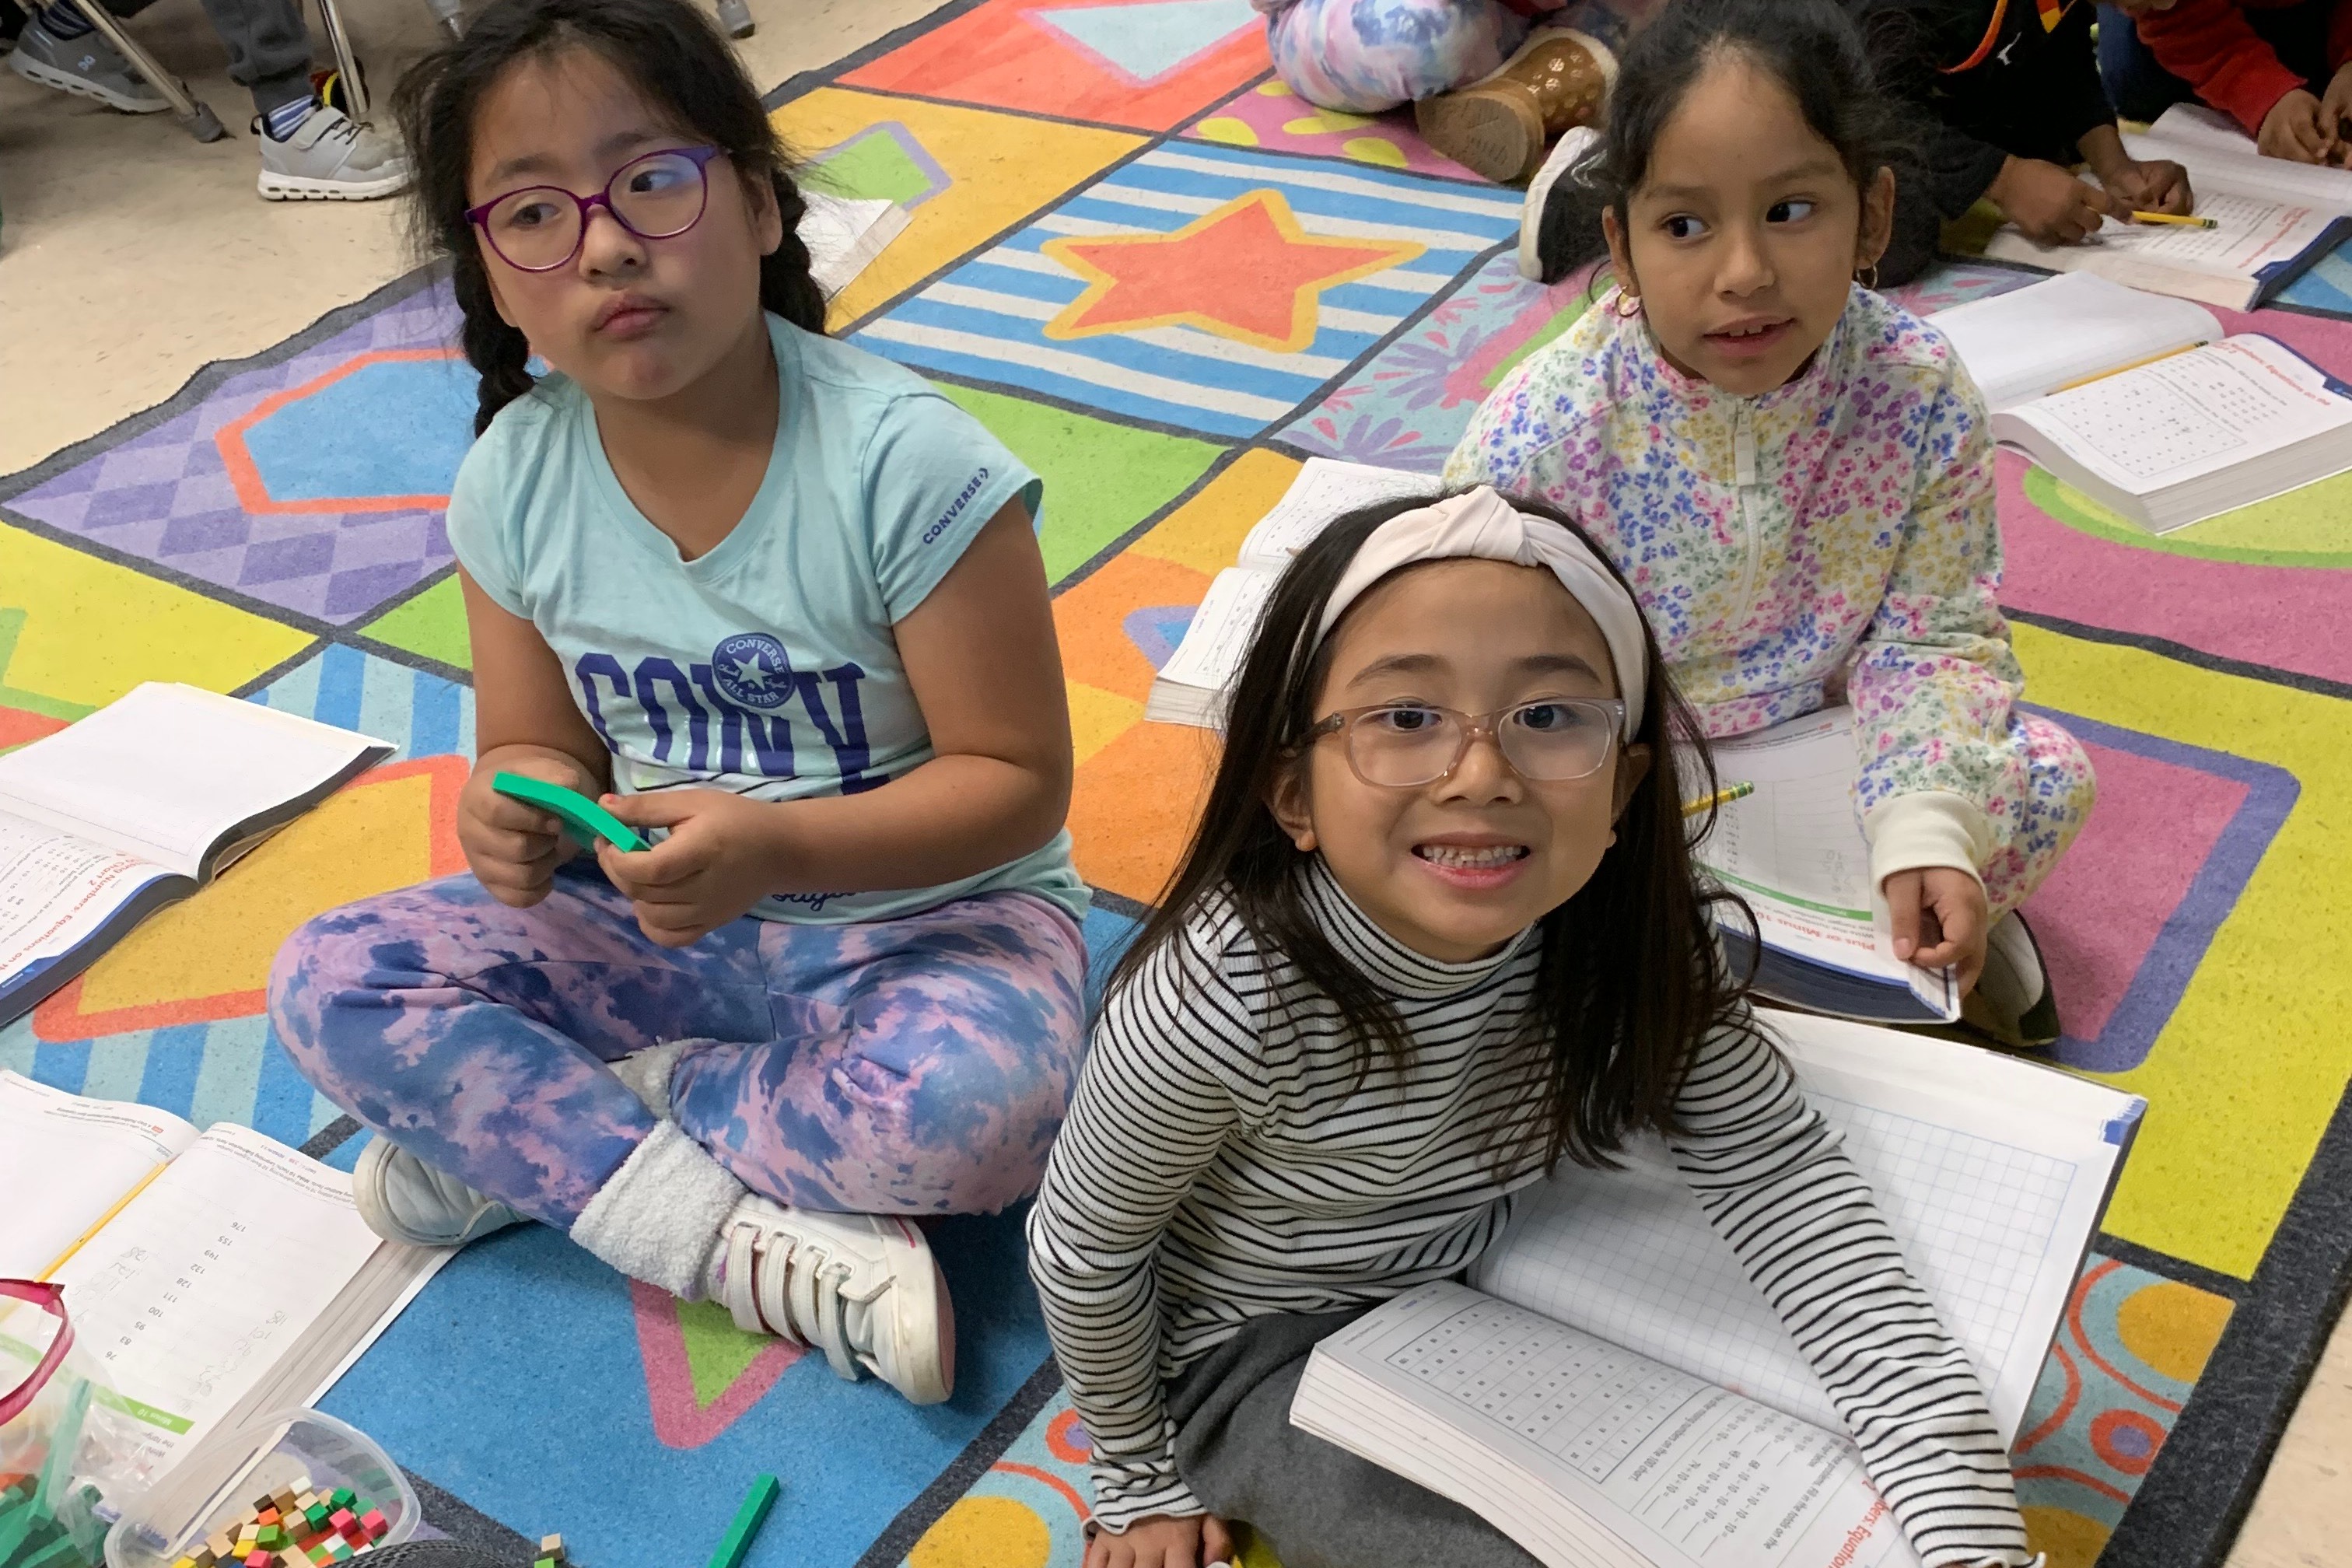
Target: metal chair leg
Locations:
point(735, 16)
point(339, 39)
point(186, 107)
point(452, 14)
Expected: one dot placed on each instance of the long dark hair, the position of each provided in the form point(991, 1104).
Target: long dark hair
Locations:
point(1630, 979)
point(674, 55)
point(1810, 46)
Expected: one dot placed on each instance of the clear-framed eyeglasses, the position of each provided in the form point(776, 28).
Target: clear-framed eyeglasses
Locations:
point(1404, 745)
point(542, 228)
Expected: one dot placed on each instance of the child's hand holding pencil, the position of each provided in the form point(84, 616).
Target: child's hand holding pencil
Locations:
point(2139, 190)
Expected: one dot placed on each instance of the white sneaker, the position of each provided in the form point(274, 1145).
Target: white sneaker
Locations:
point(403, 1199)
point(330, 158)
point(862, 1288)
point(1564, 155)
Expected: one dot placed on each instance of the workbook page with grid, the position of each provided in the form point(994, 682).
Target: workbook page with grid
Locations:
point(1629, 1256)
point(1539, 1426)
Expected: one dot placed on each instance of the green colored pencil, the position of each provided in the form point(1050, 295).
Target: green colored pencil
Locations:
point(746, 1525)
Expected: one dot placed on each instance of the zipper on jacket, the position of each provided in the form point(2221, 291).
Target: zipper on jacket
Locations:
point(1743, 463)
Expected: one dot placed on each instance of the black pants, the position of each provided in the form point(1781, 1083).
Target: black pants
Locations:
point(1317, 1506)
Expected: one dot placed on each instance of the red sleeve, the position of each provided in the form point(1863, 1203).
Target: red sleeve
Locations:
point(2209, 44)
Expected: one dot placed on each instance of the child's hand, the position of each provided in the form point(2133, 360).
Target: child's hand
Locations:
point(2336, 110)
point(2294, 129)
point(1162, 1542)
point(2050, 204)
point(513, 848)
point(1940, 917)
point(2158, 186)
point(718, 860)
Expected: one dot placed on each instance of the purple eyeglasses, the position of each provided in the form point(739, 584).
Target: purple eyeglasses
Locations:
point(542, 228)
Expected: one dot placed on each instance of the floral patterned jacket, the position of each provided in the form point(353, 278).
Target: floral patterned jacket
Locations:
point(1834, 538)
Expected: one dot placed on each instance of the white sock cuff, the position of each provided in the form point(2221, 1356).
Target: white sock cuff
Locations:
point(656, 1218)
point(648, 1073)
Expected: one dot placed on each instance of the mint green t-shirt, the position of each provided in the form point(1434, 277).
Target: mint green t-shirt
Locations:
point(767, 666)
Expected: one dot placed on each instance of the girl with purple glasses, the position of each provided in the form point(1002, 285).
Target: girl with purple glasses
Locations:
point(781, 607)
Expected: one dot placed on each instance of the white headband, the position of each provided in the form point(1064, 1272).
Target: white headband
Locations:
point(1479, 523)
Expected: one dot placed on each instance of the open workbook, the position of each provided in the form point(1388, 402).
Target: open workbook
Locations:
point(213, 1278)
point(2272, 220)
point(2191, 435)
point(139, 804)
point(2141, 403)
point(1610, 1390)
point(2065, 331)
point(2197, 137)
point(1794, 852)
point(1193, 686)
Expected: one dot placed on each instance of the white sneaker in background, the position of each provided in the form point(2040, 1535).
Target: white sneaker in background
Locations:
point(861, 1287)
point(403, 1199)
point(1564, 154)
point(330, 158)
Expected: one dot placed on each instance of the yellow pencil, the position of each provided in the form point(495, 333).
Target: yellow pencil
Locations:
point(83, 1240)
point(2181, 219)
point(2101, 375)
point(1723, 797)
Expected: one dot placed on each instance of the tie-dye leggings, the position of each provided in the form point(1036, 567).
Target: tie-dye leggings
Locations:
point(919, 1065)
point(1365, 56)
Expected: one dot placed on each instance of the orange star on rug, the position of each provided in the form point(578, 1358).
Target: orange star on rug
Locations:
point(1245, 271)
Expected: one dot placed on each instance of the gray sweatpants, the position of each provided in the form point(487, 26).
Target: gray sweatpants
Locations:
point(269, 48)
point(1317, 1505)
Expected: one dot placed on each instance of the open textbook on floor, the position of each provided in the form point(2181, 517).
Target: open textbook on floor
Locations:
point(137, 805)
point(1191, 687)
point(215, 1276)
point(1610, 1389)
point(2272, 220)
point(2192, 435)
point(2198, 137)
point(1794, 852)
point(2064, 330)
point(2140, 400)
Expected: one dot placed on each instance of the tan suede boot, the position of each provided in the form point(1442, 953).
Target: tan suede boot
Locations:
point(1557, 79)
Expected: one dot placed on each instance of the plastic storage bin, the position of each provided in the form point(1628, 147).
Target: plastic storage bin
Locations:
point(215, 1485)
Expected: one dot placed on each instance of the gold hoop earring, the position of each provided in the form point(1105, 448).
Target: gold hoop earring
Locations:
point(1867, 276)
point(1623, 299)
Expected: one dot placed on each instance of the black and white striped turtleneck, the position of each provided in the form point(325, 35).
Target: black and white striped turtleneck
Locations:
point(1222, 1162)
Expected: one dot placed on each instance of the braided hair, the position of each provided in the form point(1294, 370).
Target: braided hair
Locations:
point(674, 55)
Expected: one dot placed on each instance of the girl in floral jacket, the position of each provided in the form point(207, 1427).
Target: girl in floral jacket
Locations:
point(1796, 474)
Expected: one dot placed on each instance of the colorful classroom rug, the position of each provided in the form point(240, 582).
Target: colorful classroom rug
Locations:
point(1165, 281)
